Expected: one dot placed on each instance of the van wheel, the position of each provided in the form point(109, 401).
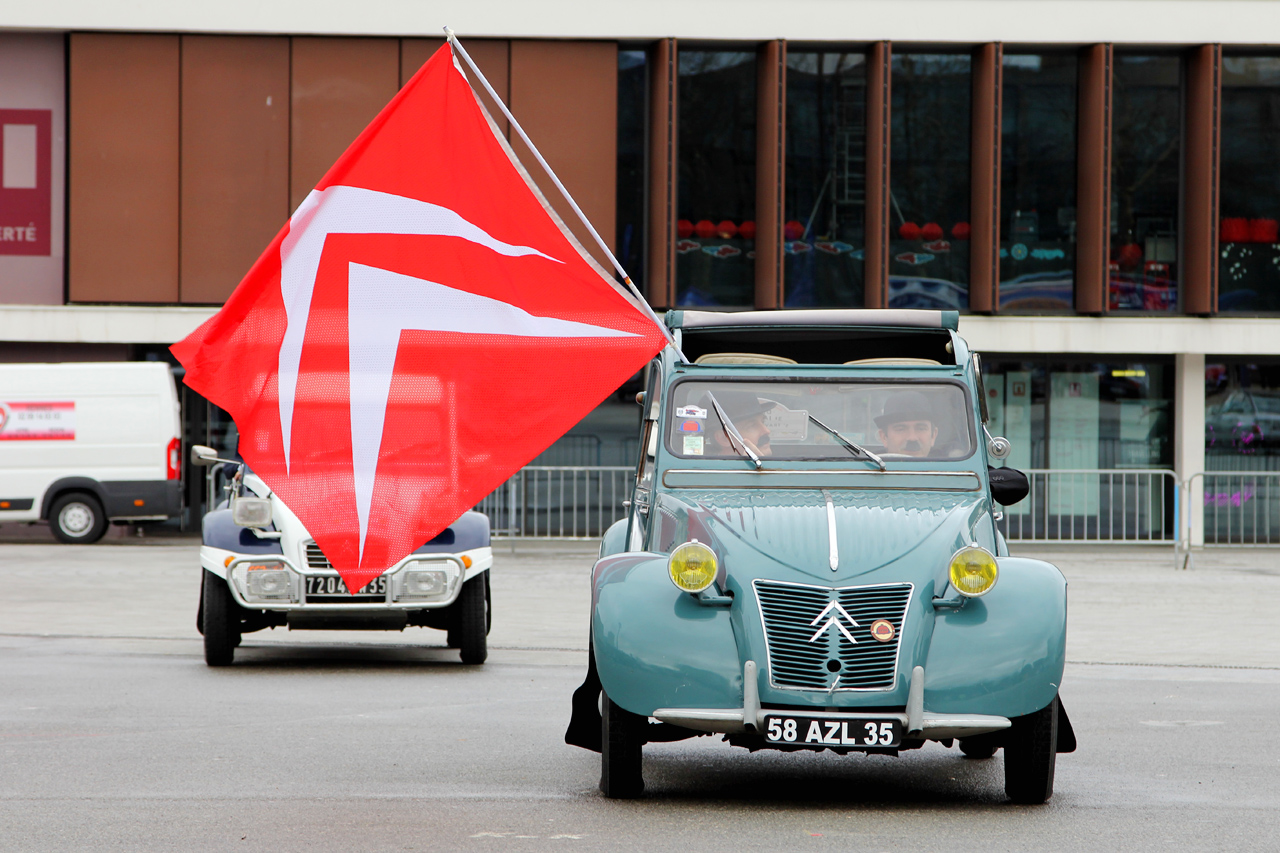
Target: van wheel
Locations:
point(1030, 756)
point(621, 775)
point(470, 627)
point(221, 621)
point(77, 518)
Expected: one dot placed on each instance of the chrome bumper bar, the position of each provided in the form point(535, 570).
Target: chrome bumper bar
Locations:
point(917, 722)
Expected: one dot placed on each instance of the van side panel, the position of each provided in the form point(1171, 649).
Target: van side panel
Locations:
point(117, 420)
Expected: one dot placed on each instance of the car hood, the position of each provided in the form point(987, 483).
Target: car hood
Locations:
point(762, 533)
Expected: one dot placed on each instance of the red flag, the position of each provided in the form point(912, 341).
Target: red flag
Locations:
point(419, 330)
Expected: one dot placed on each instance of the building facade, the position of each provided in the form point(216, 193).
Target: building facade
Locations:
point(1094, 186)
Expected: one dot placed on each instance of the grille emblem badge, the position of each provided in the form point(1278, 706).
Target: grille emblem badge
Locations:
point(837, 613)
point(882, 630)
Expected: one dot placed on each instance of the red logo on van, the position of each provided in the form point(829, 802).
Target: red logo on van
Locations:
point(37, 421)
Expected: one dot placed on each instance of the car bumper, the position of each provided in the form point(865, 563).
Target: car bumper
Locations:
point(394, 600)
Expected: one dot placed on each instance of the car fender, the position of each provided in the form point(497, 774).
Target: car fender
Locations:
point(614, 540)
point(1002, 653)
point(657, 647)
point(221, 536)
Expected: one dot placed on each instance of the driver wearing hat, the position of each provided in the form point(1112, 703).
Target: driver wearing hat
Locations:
point(906, 426)
point(747, 412)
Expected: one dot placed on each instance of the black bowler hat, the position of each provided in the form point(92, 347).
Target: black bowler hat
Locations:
point(905, 406)
point(739, 405)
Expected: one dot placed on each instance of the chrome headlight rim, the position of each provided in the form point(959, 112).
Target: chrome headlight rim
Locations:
point(951, 578)
point(710, 555)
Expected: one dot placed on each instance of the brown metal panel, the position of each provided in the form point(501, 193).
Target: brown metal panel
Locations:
point(1093, 187)
point(984, 159)
point(339, 85)
point(235, 158)
point(771, 116)
point(661, 268)
point(123, 175)
point(879, 65)
point(565, 95)
point(1200, 183)
point(492, 55)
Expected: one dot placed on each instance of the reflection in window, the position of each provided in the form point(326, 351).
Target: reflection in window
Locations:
point(824, 235)
point(1249, 259)
point(1038, 183)
point(929, 175)
point(632, 106)
point(1145, 151)
point(1242, 417)
point(715, 248)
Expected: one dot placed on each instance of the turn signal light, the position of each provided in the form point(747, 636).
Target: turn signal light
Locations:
point(692, 566)
point(973, 571)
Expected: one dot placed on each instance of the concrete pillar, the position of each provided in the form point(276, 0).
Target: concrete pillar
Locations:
point(1188, 438)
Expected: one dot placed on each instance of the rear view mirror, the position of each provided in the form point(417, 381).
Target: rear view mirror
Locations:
point(251, 512)
point(202, 456)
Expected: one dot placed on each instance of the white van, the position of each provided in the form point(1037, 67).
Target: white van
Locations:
point(85, 444)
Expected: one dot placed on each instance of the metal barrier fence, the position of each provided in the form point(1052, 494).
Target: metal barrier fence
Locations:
point(1077, 505)
point(1240, 507)
point(558, 502)
point(1095, 505)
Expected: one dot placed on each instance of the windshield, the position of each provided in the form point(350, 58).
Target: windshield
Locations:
point(903, 421)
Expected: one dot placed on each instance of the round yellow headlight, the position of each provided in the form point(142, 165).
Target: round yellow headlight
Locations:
point(973, 571)
point(692, 566)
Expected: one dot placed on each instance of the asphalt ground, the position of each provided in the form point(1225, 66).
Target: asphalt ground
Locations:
point(115, 736)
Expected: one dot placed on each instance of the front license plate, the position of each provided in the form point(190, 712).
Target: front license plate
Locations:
point(819, 733)
point(335, 586)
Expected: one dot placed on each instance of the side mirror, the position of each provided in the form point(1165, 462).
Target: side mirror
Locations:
point(998, 447)
point(1008, 485)
point(251, 512)
point(202, 456)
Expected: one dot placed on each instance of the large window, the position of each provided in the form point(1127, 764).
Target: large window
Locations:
point(1242, 417)
point(1249, 195)
point(715, 249)
point(633, 73)
point(1146, 136)
point(1038, 183)
point(825, 231)
point(929, 178)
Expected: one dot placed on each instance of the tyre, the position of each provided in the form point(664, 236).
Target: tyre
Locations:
point(1030, 755)
point(77, 518)
point(470, 628)
point(621, 743)
point(975, 748)
point(220, 619)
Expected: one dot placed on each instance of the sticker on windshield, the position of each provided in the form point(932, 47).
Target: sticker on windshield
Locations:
point(693, 445)
point(691, 426)
point(690, 412)
point(787, 425)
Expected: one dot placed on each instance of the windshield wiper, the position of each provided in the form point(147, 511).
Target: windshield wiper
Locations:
point(734, 436)
point(852, 445)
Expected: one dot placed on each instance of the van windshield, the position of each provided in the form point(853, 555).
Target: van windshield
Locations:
point(904, 421)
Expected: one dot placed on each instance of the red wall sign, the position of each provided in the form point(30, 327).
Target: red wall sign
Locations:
point(26, 189)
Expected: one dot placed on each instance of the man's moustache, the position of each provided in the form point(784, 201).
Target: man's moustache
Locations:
point(913, 446)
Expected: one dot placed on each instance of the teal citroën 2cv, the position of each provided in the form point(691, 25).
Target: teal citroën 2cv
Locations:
point(811, 558)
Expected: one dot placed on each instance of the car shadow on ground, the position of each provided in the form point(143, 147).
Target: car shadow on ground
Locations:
point(320, 655)
point(930, 777)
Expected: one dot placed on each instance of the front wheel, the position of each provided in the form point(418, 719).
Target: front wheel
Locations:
point(621, 776)
point(1030, 756)
point(220, 620)
point(77, 519)
point(471, 626)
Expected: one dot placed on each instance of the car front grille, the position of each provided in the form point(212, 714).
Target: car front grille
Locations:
point(802, 628)
point(316, 560)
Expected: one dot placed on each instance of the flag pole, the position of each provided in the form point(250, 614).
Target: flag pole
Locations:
point(546, 167)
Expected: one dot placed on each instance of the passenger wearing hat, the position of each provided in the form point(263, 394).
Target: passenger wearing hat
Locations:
point(906, 426)
point(747, 412)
